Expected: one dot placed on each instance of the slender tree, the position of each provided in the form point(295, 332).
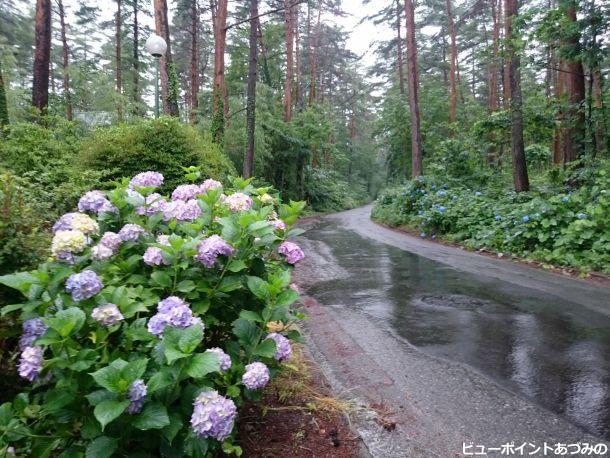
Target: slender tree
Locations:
point(520, 177)
point(117, 58)
point(168, 75)
point(399, 53)
point(251, 93)
point(452, 67)
point(313, 58)
point(42, 55)
point(4, 119)
point(66, 60)
point(194, 64)
point(219, 98)
point(289, 35)
point(413, 83)
point(136, 58)
point(494, 68)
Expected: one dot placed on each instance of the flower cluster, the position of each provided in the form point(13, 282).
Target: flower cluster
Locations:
point(108, 245)
point(146, 179)
point(182, 210)
point(210, 184)
point(151, 205)
point(95, 202)
point(211, 248)
point(84, 285)
point(107, 315)
point(137, 396)
point(186, 192)
point(213, 416)
point(153, 256)
point(256, 376)
point(32, 330)
point(67, 243)
point(174, 312)
point(223, 358)
point(239, 202)
point(283, 350)
point(291, 251)
point(131, 232)
point(30, 363)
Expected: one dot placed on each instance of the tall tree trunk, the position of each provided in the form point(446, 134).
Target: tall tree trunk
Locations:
point(251, 93)
point(413, 82)
point(42, 55)
point(136, 60)
point(313, 59)
point(571, 129)
point(66, 60)
point(264, 54)
point(297, 39)
point(194, 67)
point(4, 119)
point(117, 45)
point(220, 41)
point(452, 69)
point(506, 82)
point(168, 76)
point(399, 60)
point(520, 177)
point(493, 69)
point(289, 34)
point(600, 123)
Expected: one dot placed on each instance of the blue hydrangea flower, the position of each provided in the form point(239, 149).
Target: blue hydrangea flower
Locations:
point(256, 376)
point(478, 193)
point(442, 193)
point(174, 312)
point(498, 218)
point(30, 363)
point(213, 416)
point(223, 358)
point(565, 199)
point(525, 219)
point(422, 234)
point(137, 395)
point(212, 247)
point(283, 350)
point(32, 330)
point(131, 232)
point(107, 315)
point(95, 202)
point(84, 285)
point(147, 179)
point(582, 216)
point(153, 256)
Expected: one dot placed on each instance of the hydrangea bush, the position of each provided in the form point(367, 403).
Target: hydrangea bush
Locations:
point(147, 328)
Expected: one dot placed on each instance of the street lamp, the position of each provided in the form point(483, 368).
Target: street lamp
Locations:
point(156, 46)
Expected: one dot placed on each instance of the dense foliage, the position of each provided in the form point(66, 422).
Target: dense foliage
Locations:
point(560, 225)
point(147, 329)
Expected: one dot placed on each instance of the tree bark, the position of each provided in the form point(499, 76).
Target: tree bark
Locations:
point(520, 177)
point(289, 35)
point(117, 52)
point(194, 64)
point(506, 83)
point(66, 60)
point(413, 83)
point(261, 43)
point(297, 36)
point(4, 119)
point(598, 100)
point(313, 59)
point(136, 60)
point(220, 41)
point(251, 93)
point(493, 69)
point(399, 60)
point(42, 55)
point(170, 102)
point(453, 63)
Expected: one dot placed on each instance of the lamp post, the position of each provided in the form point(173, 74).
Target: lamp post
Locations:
point(156, 46)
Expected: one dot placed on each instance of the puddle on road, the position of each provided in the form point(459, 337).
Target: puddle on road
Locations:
point(548, 349)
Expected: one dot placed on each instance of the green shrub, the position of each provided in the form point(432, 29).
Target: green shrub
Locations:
point(326, 191)
point(164, 145)
point(116, 346)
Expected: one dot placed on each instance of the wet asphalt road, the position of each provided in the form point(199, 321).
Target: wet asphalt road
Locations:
point(452, 346)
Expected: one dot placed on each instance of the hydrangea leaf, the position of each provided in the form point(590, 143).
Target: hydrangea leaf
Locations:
point(161, 278)
point(102, 447)
point(287, 298)
point(67, 322)
point(108, 410)
point(266, 348)
point(202, 364)
point(259, 287)
point(110, 377)
point(154, 416)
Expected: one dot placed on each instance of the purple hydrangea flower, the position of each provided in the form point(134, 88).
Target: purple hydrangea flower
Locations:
point(213, 416)
point(137, 395)
point(112, 240)
point(239, 202)
point(146, 179)
point(107, 315)
point(153, 256)
point(256, 376)
point(131, 232)
point(283, 350)
point(32, 330)
point(182, 211)
point(186, 192)
point(84, 285)
point(223, 358)
point(174, 312)
point(101, 252)
point(64, 223)
point(291, 251)
point(151, 205)
point(163, 239)
point(295, 288)
point(30, 363)
point(95, 202)
point(210, 248)
point(278, 224)
point(210, 184)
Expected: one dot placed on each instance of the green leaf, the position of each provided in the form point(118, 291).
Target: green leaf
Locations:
point(98, 396)
point(230, 283)
point(134, 370)
point(246, 332)
point(174, 427)
point(160, 380)
point(106, 411)
point(110, 377)
point(6, 413)
point(266, 348)
point(154, 416)
point(21, 281)
point(67, 322)
point(202, 364)
point(259, 287)
point(42, 447)
point(161, 278)
point(186, 286)
point(56, 399)
point(250, 315)
point(236, 265)
point(84, 360)
point(180, 343)
point(102, 447)
point(287, 298)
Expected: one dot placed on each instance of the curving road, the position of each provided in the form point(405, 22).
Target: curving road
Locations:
point(452, 347)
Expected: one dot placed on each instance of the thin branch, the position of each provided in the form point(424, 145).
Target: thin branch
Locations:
point(243, 21)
